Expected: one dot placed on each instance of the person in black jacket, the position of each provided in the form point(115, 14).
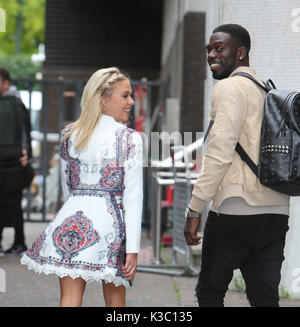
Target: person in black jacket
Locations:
point(11, 213)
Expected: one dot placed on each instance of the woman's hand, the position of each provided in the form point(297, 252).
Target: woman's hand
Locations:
point(129, 269)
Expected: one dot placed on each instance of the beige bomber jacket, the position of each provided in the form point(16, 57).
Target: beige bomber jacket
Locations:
point(237, 107)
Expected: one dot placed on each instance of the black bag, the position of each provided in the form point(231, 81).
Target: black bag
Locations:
point(28, 174)
point(10, 130)
point(13, 177)
point(279, 157)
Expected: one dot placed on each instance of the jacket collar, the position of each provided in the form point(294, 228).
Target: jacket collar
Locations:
point(244, 69)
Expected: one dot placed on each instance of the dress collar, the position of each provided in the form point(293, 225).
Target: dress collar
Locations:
point(107, 118)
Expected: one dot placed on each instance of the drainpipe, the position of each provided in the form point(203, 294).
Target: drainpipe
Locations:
point(175, 56)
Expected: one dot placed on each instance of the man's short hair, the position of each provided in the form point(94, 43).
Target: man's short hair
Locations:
point(238, 32)
point(4, 73)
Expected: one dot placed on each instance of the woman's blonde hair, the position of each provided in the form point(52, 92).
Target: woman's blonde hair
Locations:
point(98, 88)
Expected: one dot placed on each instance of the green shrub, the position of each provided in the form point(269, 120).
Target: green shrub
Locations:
point(19, 65)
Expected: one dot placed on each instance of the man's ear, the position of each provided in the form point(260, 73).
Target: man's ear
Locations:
point(241, 53)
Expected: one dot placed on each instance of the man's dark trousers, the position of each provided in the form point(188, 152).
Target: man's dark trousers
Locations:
point(252, 243)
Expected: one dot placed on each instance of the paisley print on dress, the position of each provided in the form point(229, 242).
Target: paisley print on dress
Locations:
point(75, 234)
point(87, 237)
point(35, 249)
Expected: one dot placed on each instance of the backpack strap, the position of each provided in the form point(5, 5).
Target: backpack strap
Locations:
point(253, 80)
point(239, 149)
point(244, 156)
point(211, 122)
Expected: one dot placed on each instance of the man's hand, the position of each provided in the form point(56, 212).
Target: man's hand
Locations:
point(24, 158)
point(190, 231)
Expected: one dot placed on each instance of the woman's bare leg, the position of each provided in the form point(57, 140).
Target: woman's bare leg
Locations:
point(71, 291)
point(114, 296)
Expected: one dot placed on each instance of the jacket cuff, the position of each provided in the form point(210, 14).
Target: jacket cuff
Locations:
point(196, 204)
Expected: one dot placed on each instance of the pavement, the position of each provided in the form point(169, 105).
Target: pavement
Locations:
point(20, 287)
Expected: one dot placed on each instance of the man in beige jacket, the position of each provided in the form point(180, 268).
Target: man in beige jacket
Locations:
point(247, 222)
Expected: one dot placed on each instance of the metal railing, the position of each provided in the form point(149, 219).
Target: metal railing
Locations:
point(66, 88)
point(183, 182)
point(43, 136)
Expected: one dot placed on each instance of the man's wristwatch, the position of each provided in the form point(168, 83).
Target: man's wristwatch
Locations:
point(191, 214)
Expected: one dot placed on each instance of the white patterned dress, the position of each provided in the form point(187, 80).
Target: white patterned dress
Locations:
point(100, 220)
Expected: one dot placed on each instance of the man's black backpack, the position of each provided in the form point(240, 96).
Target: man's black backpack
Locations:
point(279, 156)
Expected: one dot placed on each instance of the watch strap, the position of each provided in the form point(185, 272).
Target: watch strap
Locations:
point(192, 214)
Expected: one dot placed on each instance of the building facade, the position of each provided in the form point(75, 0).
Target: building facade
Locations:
point(274, 27)
point(166, 39)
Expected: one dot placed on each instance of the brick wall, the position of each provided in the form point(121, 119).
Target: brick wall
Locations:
point(184, 69)
point(275, 37)
point(193, 72)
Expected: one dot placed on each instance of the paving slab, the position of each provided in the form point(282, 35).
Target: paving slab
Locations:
point(25, 288)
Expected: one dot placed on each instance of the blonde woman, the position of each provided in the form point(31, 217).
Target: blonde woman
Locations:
point(95, 236)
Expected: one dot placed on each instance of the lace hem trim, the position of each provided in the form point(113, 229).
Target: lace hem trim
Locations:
point(74, 273)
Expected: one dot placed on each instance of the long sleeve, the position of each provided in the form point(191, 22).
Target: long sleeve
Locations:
point(25, 127)
point(133, 193)
point(63, 168)
point(228, 103)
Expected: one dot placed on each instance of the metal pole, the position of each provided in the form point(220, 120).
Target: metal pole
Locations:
point(154, 199)
point(28, 195)
point(78, 87)
point(148, 116)
point(60, 126)
point(158, 225)
point(164, 97)
point(45, 148)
